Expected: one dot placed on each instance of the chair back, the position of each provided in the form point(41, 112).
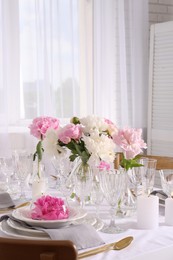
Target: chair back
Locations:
point(19, 249)
point(163, 162)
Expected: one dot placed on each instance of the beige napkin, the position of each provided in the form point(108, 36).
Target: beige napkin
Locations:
point(83, 235)
point(5, 200)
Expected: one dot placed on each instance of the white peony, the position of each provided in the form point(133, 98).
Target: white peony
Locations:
point(50, 145)
point(92, 123)
point(101, 147)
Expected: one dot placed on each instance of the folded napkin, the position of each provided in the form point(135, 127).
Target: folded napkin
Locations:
point(5, 200)
point(82, 235)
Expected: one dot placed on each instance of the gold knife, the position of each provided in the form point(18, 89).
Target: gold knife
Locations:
point(113, 246)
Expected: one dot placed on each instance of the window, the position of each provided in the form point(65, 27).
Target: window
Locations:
point(46, 57)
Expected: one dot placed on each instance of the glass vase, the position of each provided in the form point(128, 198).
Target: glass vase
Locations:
point(83, 180)
point(39, 181)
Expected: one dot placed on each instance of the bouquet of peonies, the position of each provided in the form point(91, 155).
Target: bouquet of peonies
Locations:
point(92, 139)
point(89, 138)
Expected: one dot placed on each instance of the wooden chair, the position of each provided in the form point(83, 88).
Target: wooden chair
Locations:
point(19, 249)
point(163, 162)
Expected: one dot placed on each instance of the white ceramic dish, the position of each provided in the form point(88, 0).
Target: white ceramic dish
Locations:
point(25, 231)
point(24, 214)
point(7, 230)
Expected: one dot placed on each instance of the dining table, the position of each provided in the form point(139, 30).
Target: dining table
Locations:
point(148, 244)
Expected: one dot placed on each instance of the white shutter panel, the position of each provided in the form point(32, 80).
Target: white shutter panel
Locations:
point(160, 116)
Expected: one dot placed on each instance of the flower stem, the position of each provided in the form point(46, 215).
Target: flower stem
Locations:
point(38, 173)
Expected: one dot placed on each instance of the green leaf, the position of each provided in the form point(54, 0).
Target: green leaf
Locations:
point(72, 196)
point(129, 164)
point(73, 157)
point(39, 150)
point(34, 156)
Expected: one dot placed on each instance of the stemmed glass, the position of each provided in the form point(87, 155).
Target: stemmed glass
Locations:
point(97, 197)
point(7, 169)
point(64, 174)
point(148, 174)
point(113, 186)
point(24, 167)
point(167, 181)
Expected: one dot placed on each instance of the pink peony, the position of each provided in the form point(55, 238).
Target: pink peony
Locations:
point(49, 208)
point(104, 166)
point(70, 131)
point(40, 125)
point(130, 141)
point(112, 128)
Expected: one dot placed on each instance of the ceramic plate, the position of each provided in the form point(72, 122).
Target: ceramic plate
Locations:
point(7, 230)
point(24, 214)
point(25, 231)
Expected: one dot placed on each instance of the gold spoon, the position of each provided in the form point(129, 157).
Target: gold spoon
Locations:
point(113, 246)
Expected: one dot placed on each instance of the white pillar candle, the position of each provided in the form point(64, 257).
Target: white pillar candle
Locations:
point(147, 212)
point(169, 211)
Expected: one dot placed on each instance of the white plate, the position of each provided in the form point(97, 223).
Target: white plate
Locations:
point(89, 219)
point(24, 214)
point(7, 230)
point(25, 231)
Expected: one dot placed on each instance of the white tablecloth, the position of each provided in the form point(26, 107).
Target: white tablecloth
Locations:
point(147, 244)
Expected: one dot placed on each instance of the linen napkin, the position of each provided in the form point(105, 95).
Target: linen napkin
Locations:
point(5, 200)
point(82, 235)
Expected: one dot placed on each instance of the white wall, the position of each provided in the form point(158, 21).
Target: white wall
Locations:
point(160, 11)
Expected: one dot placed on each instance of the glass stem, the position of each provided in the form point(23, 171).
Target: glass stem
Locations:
point(97, 211)
point(22, 189)
point(112, 213)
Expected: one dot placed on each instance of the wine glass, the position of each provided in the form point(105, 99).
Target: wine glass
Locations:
point(148, 174)
point(24, 167)
point(167, 181)
point(6, 171)
point(97, 197)
point(64, 175)
point(113, 186)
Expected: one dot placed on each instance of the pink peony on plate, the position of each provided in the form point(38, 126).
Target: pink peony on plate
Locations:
point(24, 214)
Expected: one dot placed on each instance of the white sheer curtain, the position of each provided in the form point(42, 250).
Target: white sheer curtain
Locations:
point(47, 52)
point(39, 65)
point(121, 61)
